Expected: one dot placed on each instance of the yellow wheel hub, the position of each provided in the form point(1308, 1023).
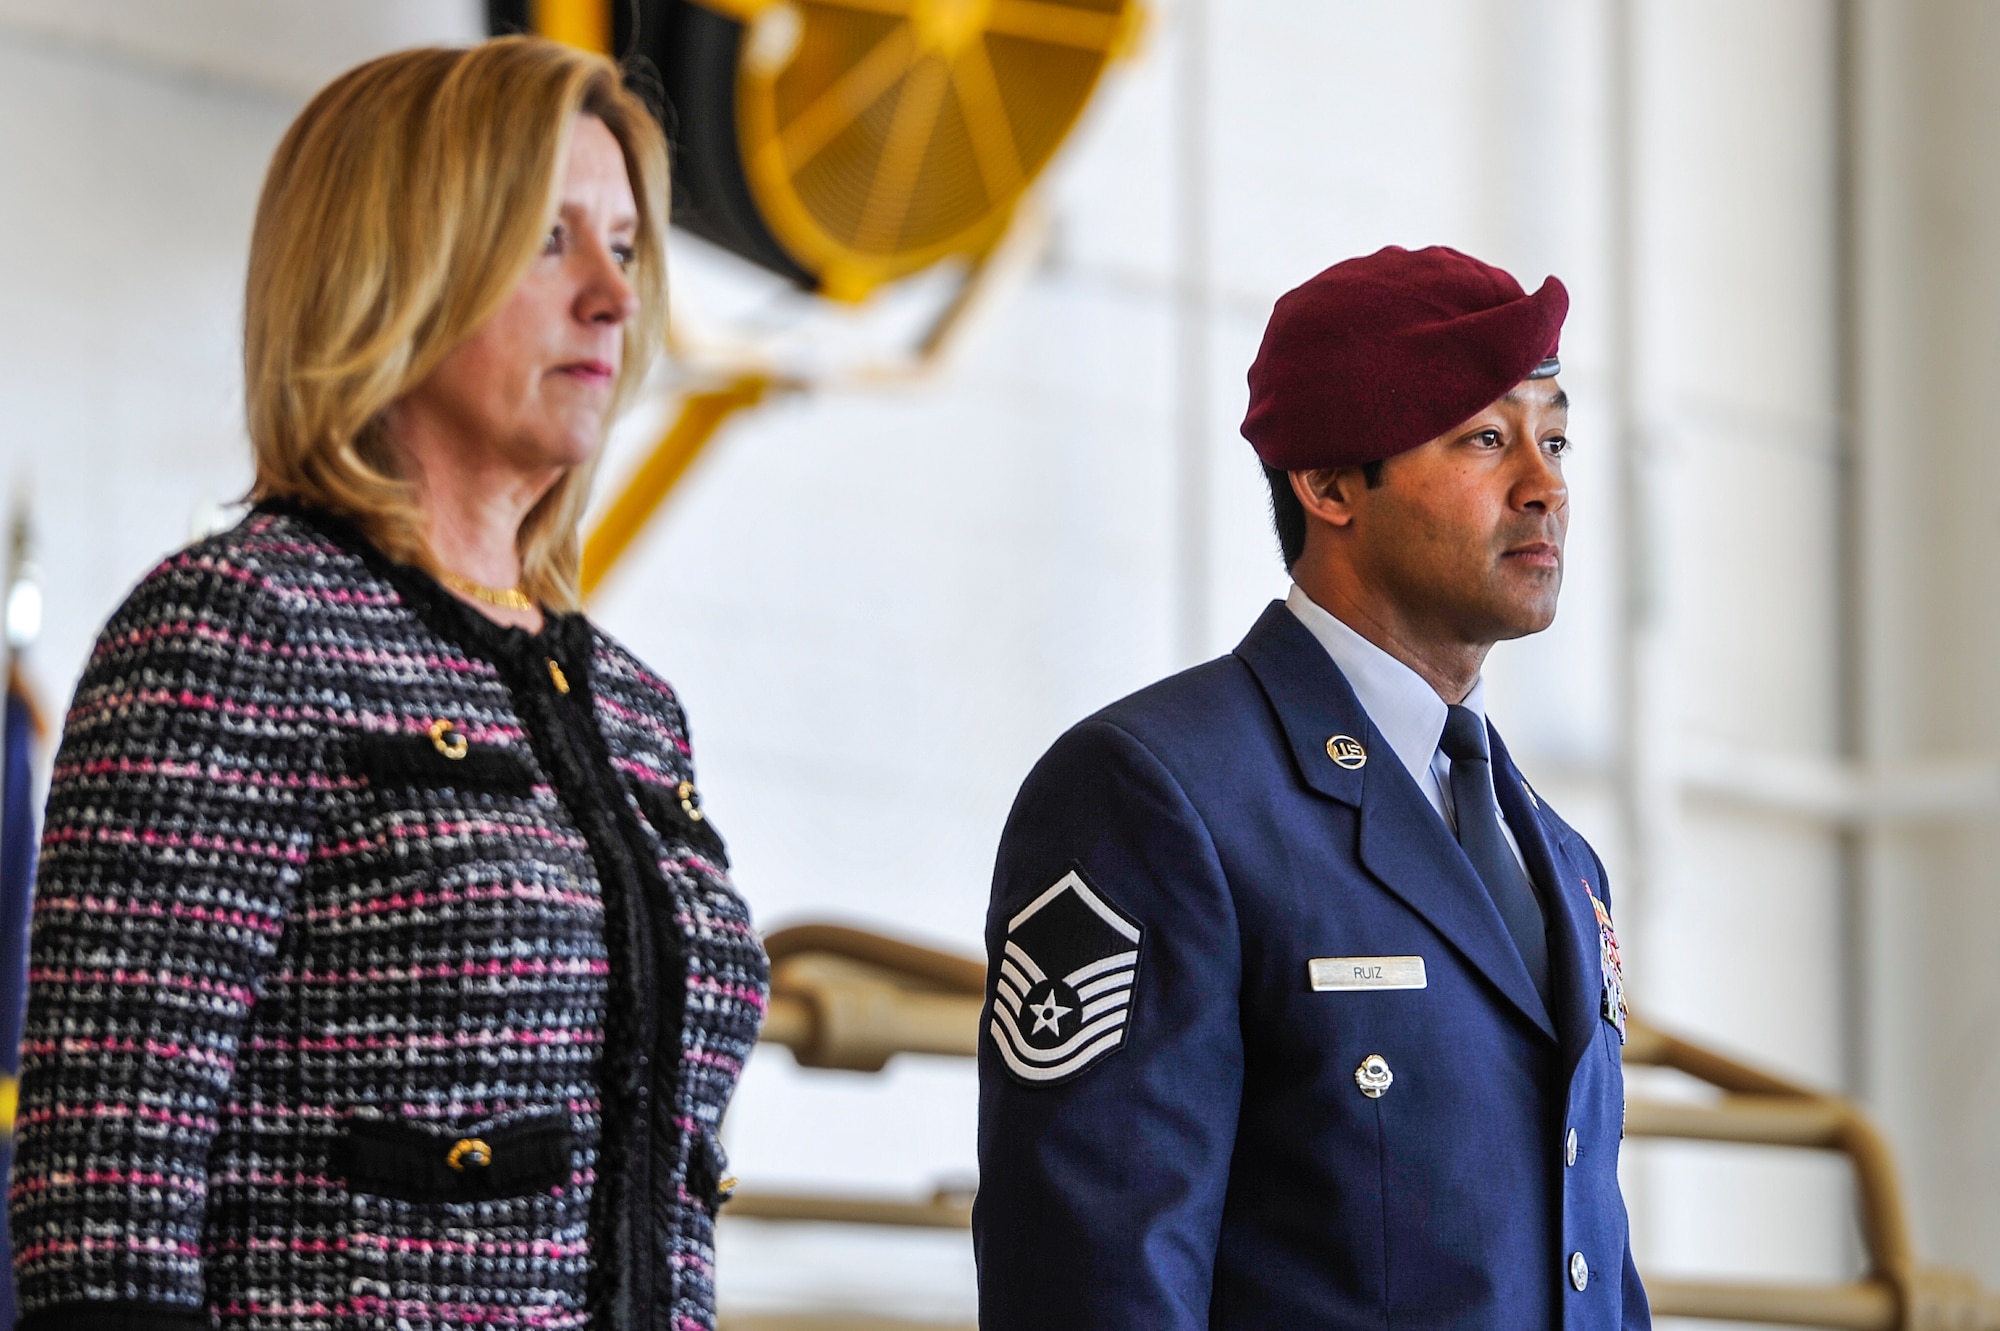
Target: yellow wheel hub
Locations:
point(879, 136)
point(945, 28)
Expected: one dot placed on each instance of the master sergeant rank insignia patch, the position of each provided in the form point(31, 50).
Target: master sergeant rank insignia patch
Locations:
point(1066, 982)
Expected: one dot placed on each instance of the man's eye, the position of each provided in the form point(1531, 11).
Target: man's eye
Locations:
point(1557, 445)
point(1490, 439)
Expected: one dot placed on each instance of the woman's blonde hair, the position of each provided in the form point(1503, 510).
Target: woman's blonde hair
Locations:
point(399, 212)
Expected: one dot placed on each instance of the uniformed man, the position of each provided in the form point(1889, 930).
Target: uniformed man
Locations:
point(1305, 1009)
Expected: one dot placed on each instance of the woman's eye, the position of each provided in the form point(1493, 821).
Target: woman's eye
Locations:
point(624, 254)
point(553, 243)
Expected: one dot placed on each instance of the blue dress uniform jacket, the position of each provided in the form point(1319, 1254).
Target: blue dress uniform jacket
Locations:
point(1207, 1156)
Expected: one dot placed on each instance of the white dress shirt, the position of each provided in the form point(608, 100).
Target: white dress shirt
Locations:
point(1403, 706)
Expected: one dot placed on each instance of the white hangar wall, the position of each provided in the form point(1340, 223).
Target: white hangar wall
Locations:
point(880, 608)
point(1929, 299)
point(1732, 155)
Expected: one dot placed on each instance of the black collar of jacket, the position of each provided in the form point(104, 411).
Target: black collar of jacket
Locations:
point(565, 635)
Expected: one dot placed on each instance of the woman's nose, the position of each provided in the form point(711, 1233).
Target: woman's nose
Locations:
point(607, 297)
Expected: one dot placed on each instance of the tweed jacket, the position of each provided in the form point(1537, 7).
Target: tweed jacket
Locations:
point(386, 974)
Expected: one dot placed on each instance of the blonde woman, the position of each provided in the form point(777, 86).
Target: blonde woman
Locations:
point(386, 971)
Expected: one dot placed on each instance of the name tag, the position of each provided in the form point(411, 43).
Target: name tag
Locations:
point(1337, 973)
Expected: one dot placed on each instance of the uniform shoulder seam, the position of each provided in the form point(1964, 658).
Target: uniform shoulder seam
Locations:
point(1180, 791)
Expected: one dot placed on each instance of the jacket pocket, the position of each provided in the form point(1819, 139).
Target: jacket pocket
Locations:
point(677, 815)
point(397, 1159)
point(708, 1178)
point(443, 758)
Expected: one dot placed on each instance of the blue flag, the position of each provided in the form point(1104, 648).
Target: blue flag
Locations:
point(20, 730)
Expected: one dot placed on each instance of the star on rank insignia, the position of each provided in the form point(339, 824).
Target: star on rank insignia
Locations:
point(1067, 976)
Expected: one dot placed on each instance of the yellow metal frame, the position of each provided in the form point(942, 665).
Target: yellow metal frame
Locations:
point(700, 416)
point(947, 31)
point(584, 23)
point(843, 998)
point(740, 385)
point(941, 38)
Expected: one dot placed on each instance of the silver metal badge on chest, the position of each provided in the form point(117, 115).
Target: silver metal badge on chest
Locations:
point(1335, 974)
point(1374, 1077)
point(1069, 972)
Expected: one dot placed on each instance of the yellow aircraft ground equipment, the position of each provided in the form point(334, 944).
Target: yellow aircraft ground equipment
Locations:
point(842, 144)
point(845, 998)
point(847, 143)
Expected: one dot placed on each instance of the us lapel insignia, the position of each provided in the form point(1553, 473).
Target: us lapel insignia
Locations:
point(1068, 973)
point(1346, 751)
point(1609, 964)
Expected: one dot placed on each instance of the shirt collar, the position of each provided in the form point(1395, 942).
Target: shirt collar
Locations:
point(1403, 706)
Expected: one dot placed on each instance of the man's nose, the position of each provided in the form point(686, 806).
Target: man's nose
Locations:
point(1539, 482)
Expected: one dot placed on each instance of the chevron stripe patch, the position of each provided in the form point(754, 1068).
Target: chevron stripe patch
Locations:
point(1068, 974)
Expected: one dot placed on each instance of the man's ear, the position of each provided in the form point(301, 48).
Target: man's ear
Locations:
point(1329, 492)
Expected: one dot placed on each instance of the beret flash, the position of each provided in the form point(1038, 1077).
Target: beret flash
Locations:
point(1379, 354)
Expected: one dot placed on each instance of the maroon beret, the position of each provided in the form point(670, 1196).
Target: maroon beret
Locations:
point(1382, 353)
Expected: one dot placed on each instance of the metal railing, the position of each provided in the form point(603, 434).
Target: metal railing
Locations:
point(845, 998)
point(1757, 1108)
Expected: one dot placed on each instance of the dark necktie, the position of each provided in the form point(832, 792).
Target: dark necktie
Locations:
point(1485, 843)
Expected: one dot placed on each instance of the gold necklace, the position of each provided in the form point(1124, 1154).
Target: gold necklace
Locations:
point(507, 598)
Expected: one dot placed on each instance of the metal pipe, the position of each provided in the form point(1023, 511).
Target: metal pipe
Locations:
point(1648, 1046)
point(792, 1321)
point(1192, 297)
point(1870, 1305)
point(788, 1021)
point(843, 998)
point(1757, 1120)
point(1764, 1109)
point(848, 999)
point(701, 415)
point(945, 1210)
point(1850, 649)
point(949, 970)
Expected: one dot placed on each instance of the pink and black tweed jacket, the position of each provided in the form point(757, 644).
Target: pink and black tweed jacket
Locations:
point(386, 973)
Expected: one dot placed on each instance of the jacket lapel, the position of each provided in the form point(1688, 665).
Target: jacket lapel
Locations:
point(1403, 841)
point(1573, 942)
point(1312, 700)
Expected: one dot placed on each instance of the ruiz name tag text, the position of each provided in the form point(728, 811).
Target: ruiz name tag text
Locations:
point(1337, 973)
